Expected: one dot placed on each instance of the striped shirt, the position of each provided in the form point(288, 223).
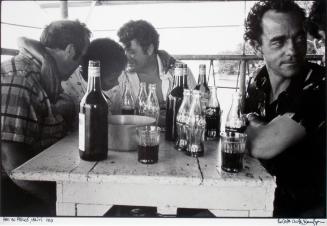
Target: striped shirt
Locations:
point(26, 113)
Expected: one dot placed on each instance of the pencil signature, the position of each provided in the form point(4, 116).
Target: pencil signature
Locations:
point(314, 222)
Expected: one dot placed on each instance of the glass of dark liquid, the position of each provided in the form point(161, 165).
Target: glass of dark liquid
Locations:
point(148, 138)
point(232, 151)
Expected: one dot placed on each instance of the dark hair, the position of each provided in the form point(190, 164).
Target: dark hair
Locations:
point(317, 18)
point(59, 34)
point(253, 23)
point(110, 54)
point(140, 30)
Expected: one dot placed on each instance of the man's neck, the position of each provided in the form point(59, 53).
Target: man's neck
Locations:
point(278, 85)
point(150, 67)
point(56, 57)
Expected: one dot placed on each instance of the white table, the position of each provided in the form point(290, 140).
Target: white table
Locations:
point(176, 181)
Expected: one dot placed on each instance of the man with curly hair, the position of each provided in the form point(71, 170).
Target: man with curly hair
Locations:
point(286, 102)
point(146, 63)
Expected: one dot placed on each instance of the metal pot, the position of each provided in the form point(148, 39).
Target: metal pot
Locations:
point(122, 131)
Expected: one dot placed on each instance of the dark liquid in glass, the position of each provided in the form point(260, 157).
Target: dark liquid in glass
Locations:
point(232, 162)
point(127, 111)
point(148, 154)
point(212, 123)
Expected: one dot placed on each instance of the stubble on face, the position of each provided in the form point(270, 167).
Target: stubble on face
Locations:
point(283, 43)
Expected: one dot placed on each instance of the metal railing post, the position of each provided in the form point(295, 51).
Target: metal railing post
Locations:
point(64, 9)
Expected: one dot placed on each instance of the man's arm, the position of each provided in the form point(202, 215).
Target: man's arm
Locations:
point(266, 141)
point(15, 154)
point(32, 46)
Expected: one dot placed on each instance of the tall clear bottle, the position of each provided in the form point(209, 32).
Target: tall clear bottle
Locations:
point(195, 125)
point(181, 119)
point(213, 116)
point(235, 121)
point(141, 99)
point(93, 118)
point(152, 108)
point(202, 86)
point(128, 103)
point(174, 101)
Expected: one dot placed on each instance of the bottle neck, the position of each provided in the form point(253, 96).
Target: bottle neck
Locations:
point(213, 100)
point(202, 79)
point(94, 82)
point(179, 81)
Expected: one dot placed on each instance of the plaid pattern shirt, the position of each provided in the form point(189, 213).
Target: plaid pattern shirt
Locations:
point(26, 113)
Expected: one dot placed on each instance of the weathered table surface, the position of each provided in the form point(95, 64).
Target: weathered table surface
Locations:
point(176, 181)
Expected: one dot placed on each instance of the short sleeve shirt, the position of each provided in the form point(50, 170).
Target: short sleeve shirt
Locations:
point(304, 101)
point(26, 113)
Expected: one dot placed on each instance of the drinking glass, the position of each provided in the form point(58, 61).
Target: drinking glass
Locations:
point(232, 151)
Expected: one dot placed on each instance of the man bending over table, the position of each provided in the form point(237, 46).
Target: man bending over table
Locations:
point(34, 112)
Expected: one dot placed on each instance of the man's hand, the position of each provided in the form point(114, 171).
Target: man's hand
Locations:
point(254, 120)
point(65, 107)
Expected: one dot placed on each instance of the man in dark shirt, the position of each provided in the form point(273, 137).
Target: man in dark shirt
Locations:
point(286, 102)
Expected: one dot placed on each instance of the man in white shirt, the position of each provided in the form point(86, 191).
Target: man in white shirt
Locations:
point(145, 62)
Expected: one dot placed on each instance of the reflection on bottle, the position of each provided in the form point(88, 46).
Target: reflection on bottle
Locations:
point(235, 121)
point(181, 119)
point(152, 108)
point(128, 104)
point(141, 99)
point(195, 127)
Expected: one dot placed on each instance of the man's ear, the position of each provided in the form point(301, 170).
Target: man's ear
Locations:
point(150, 50)
point(70, 51)
point(257, 48)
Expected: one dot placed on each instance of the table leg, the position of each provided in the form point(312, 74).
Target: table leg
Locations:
point(66, 209)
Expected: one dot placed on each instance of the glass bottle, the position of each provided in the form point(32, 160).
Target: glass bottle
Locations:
point(195, 127)
point(202, 86)
point(141, 99)
point(235, 121)
point(93, 118)
point(174, 101)
point(185, 85)
point(181, 119)
point(152, 108)
point(213, 115)
point(128, 104)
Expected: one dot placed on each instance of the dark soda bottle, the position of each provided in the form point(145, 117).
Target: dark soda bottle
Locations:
point(174, 100)
point(212, 116)
point(93, 118)
point(202, 86)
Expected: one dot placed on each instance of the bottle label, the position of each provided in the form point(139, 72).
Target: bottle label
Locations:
point(81, 132)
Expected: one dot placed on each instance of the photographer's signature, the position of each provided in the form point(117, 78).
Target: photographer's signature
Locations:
point(314, 222)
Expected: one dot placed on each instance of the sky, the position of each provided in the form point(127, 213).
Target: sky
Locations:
point(184, 28)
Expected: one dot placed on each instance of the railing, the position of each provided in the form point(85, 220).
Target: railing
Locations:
point(242, 58)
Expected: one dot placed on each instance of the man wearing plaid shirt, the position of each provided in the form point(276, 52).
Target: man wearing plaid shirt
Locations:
point(33, 109)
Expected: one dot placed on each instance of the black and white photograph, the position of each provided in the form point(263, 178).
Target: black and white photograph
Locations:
point(163, 112)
